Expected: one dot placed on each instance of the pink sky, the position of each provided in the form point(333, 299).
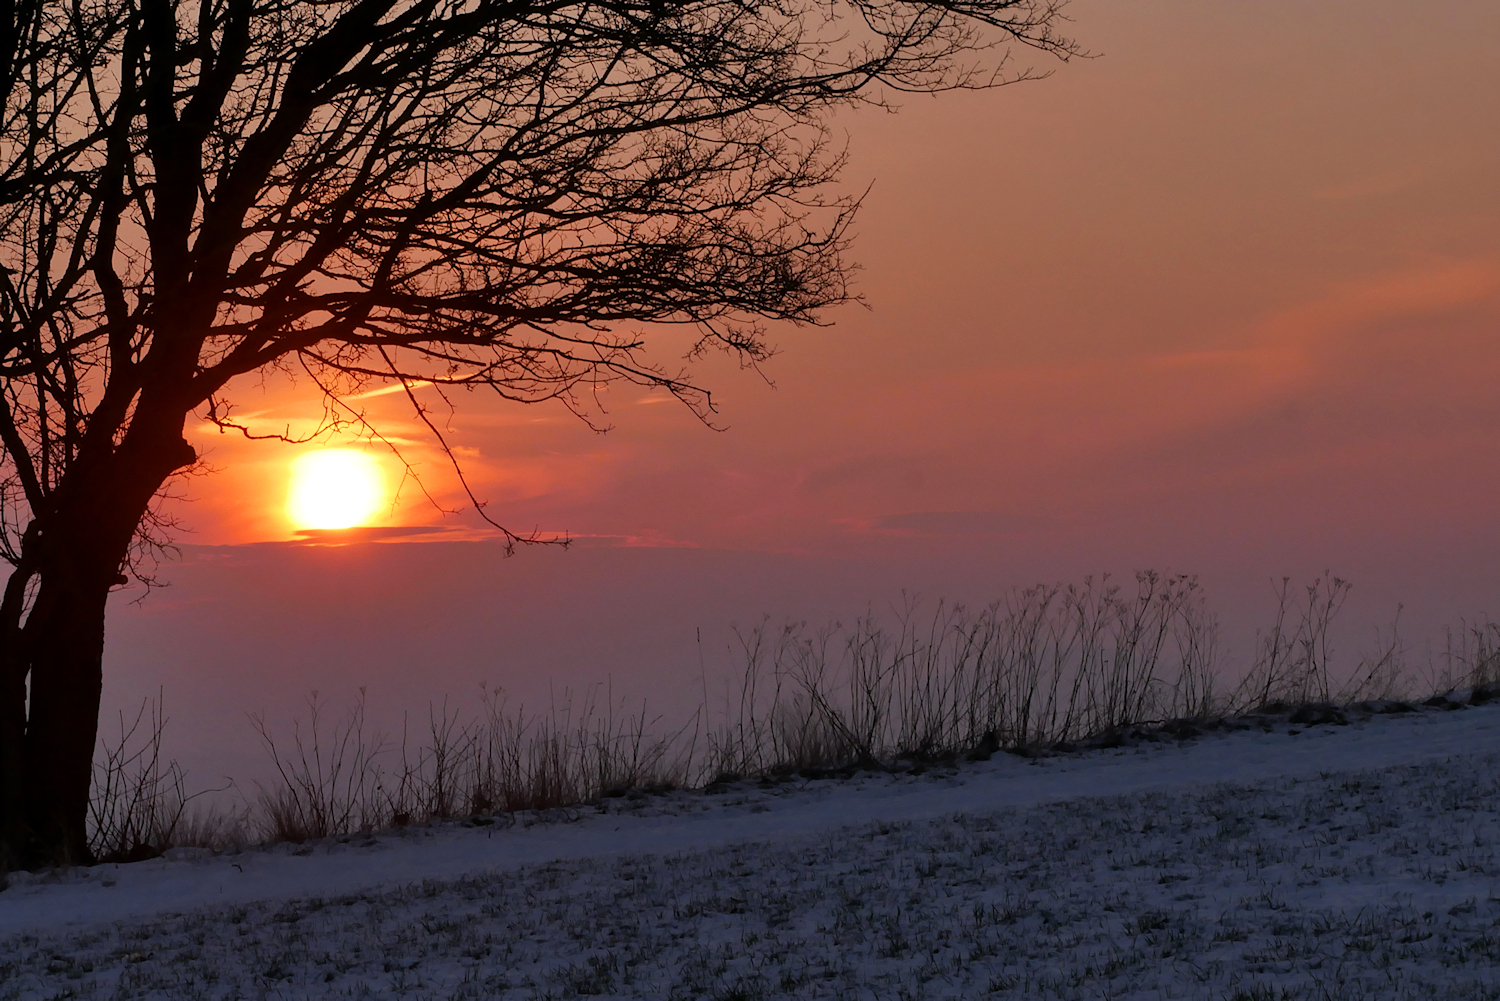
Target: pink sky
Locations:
point(1225, 299)
point(1250, 251)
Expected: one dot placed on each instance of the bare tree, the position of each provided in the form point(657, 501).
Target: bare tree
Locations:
point(473, 193)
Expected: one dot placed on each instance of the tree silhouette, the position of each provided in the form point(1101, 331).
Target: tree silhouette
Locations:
point(474, 193)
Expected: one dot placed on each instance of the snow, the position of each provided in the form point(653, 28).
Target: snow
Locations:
point(1329, 861)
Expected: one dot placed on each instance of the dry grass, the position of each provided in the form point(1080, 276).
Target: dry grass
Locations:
point(139, 806)
point(1470, 658)
point(338, 777)
point(1045, 666)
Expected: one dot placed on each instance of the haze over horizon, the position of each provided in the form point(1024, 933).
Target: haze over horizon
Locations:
point(1223, 300)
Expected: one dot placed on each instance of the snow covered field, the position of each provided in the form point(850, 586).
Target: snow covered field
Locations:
point(1323, 862)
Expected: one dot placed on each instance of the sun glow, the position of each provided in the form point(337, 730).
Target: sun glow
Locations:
point(334, 488)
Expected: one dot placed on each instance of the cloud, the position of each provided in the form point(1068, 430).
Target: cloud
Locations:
point(1372, 358)
point(366, 533)
point(389, 390)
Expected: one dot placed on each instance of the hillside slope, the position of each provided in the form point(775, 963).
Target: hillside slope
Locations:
point(1353, 861)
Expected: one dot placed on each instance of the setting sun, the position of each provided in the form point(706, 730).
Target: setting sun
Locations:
point(334, 488)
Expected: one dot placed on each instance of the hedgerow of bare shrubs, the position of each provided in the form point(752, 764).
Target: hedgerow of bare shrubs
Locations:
point(1046, 666)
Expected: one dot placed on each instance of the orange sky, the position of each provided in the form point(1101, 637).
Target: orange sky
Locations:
point(1244, 266)
point(1224, 300)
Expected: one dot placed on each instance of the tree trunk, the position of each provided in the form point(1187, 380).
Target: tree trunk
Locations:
point(12, 720)
point(47, 734)
point(64, 638)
